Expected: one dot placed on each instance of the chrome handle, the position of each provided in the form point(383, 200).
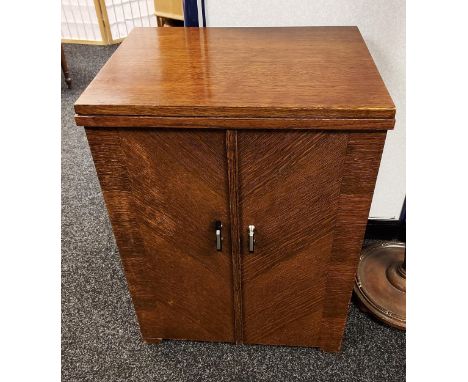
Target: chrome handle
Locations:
point(219, 235)
point(251, 238)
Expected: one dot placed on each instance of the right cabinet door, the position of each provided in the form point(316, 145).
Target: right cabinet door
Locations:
point(289, 188)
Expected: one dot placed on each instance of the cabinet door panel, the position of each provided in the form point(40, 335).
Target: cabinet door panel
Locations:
point(174, 187)
point(289, 189)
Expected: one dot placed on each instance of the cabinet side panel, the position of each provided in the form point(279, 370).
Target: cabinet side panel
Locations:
point(361, 167)
point(115, 185)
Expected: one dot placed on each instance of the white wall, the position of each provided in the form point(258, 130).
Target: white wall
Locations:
point(382, 24)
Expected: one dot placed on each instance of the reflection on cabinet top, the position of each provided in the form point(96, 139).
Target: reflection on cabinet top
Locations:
point(300, 72)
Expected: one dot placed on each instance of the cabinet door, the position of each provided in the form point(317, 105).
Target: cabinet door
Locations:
point(289, 190)
point(164, 190)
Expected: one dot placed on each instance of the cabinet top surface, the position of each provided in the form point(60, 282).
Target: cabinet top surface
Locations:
point(310, 72)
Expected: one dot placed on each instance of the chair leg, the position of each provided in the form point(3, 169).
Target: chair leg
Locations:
point(161, 21)
point(66, 73)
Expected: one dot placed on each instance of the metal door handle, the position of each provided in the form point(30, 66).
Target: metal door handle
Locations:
point(219, 235)
point(251, 238)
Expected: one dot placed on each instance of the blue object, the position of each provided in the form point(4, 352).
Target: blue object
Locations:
point(193, 9)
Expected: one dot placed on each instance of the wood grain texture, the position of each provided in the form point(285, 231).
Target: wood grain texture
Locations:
point(308, 194)
point(235, 123)
point(164, 190)
point(360, 172)
point(307, 72)
point(289, 189)
point(233, 181)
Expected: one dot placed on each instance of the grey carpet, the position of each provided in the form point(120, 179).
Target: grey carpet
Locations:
point(100, 335)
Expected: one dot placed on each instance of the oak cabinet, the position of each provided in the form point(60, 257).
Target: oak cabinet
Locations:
point(239, 218)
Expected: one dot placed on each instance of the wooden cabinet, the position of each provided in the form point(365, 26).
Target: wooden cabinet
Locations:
point(275, 134)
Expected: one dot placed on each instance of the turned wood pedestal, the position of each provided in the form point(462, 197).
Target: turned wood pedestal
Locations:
point(238, 167)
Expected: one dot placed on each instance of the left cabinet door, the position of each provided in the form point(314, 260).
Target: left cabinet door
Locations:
point(164, 191)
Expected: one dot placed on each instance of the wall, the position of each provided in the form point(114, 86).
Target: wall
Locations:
point(382, 24)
